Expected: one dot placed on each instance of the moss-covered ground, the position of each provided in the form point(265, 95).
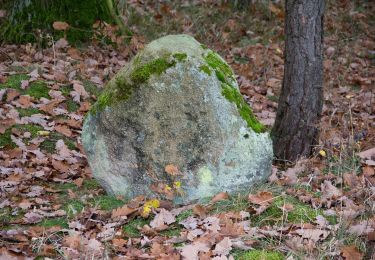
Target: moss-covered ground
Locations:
point(257, 255)
point(36, 89)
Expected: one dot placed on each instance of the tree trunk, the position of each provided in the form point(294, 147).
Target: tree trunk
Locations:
point(300, 105)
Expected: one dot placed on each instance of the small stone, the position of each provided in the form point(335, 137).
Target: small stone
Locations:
point(330, 51)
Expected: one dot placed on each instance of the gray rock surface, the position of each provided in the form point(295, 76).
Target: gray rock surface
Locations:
point(176, 103)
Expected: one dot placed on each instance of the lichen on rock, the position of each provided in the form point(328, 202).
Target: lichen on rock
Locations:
point(175, 103)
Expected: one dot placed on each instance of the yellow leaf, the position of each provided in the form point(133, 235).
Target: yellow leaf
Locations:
point(322, 153)
point(167, 187)
point(146, 211)
point(43, 133)
point(177, 184)
point(152, 204)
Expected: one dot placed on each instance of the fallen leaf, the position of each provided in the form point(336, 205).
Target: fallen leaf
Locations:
point(219, 197)
point(60, 26)
point(200, 211)
point(261, 198)
point(313, 234)
point(63, 129)
point(60, 44)
point(162, 218)
point(351, 253)
point(32, 218)
point(223, 247)
point(123, 211)
point(368, 154)
point(190, 252)
point(329, 191)
point(171, 170)
point(78, 182)
point(287, 207)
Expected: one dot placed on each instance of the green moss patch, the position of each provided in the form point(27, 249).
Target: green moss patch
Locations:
point(106, 202)
point(28, 111)
point(51, 222)
point(71, 106)
point(233, 95)
point(122, 88)
point(143, 73)
point(225, 75)
point(90, 184)
point(257, 255)
point(36, 89)
point(49, 143)
point(32, 129)
point(131, 229)
point(217, 63)
point(205, 69)
point(180, 56)
point(301, 212)
point(184, 215)
point(73, 207)
point(14, 81)
point(7, 216)
point(91, 88)
point(172, 231)
point(6, 141)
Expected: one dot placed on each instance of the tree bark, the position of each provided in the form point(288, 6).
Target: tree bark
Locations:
point(300, 105)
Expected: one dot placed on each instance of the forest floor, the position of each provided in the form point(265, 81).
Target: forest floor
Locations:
point(317, 208)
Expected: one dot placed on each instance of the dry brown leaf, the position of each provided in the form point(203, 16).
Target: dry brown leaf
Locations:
point(123, 211)
point(329, 191)
point(261, 198)
point(171, 170)
point(368, 154)
point(60, 166)
point(11, 94)
point(73, 241)
point(63, 129)
point(287, 207)
point(200, 211)
point(60, 26)
point(74, 53)
point(80, 89)
point(351, 253)
point(78, 182)
point(32, 218)
point(368, 171)
point(313, 234)
point(162, 218)
point(223, 247)
point(25, 204)
point(220, 196)
point(24, 101)
point(190, 252)
point(119, 244)
point(5, 124)
point(363, 228)
point(351, 180)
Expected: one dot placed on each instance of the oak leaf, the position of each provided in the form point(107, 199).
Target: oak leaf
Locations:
point(60, 26)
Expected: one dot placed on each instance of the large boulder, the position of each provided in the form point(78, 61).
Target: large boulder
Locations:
point(174, 121)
